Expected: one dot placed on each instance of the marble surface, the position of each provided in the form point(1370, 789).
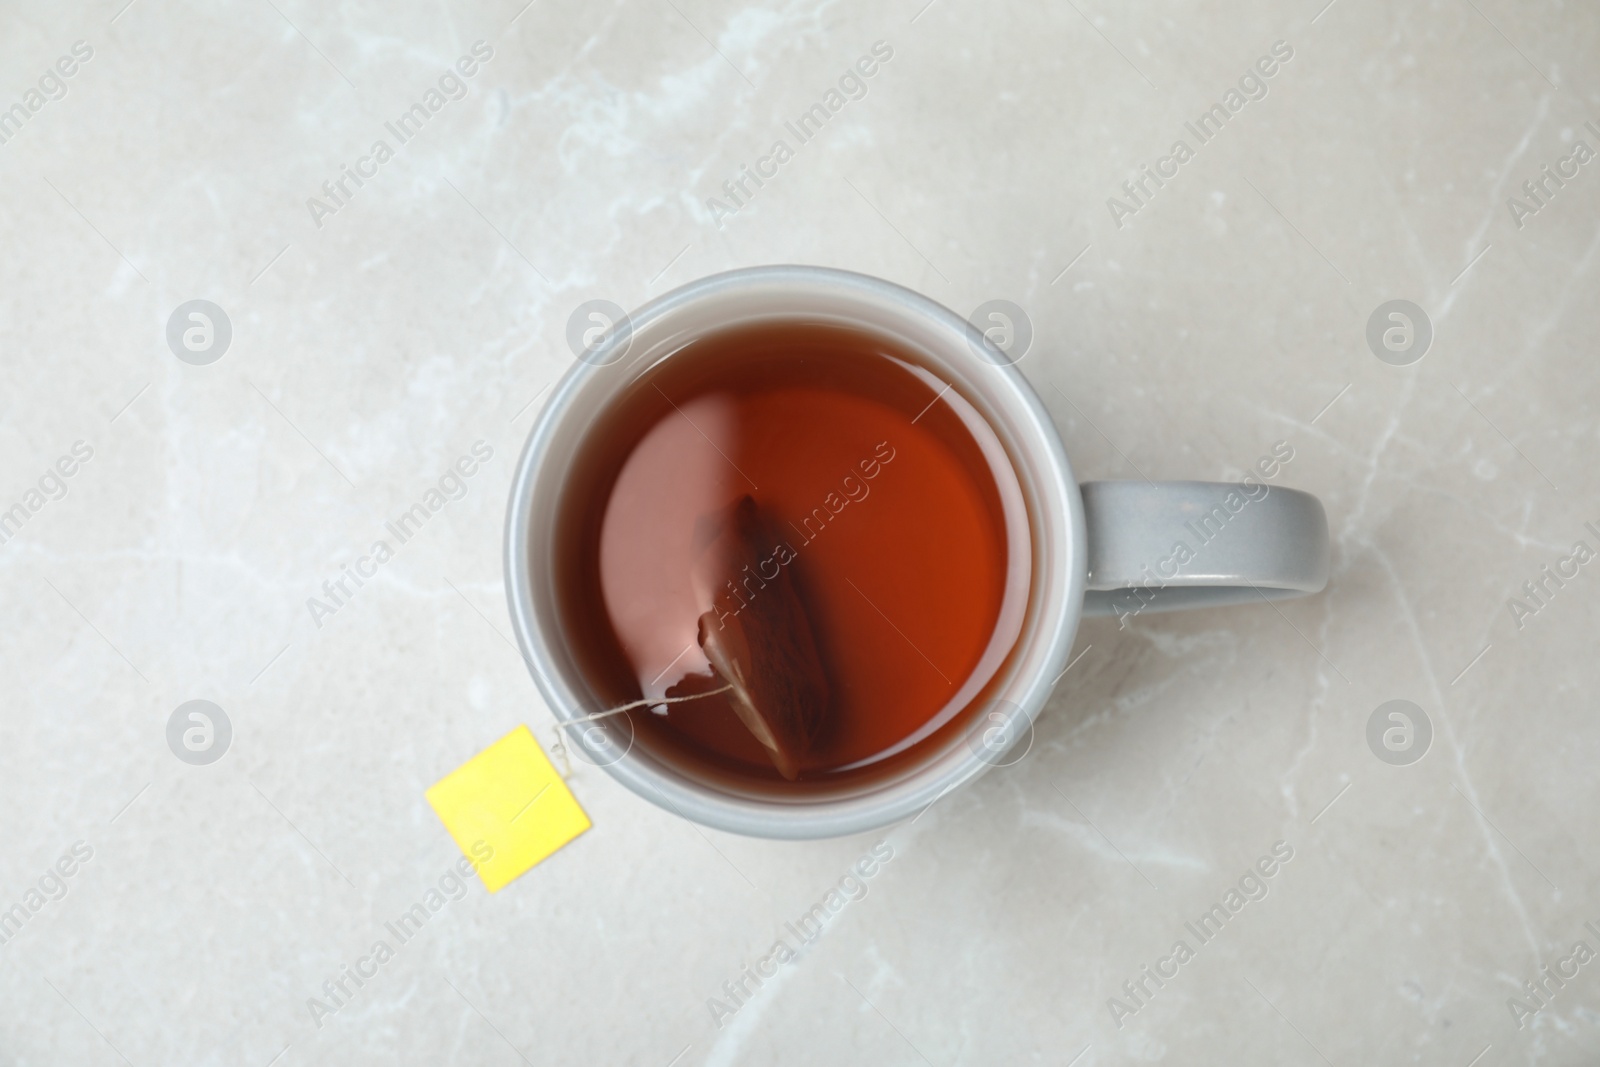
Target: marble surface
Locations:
point(378, 339)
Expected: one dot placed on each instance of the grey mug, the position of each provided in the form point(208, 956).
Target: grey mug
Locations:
point(1102, 548)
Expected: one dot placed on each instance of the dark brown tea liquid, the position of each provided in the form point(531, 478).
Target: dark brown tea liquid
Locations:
point(886, 499)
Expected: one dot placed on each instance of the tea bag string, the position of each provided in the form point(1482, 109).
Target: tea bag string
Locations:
point(647, 703)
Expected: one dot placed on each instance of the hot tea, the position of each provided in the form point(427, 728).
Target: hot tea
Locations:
point(808, 525)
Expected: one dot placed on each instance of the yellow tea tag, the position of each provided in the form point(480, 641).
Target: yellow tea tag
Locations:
point(510, 798)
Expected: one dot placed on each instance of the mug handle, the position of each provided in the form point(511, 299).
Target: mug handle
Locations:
point(1162, 546)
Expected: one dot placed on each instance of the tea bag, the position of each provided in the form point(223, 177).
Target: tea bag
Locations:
point(757, 635)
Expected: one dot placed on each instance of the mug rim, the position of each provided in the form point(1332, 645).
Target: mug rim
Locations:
point(787, 818)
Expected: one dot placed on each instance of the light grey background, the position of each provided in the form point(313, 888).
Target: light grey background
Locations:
point(430, 313)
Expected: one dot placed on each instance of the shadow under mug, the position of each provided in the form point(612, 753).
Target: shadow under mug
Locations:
point(1100, 549)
